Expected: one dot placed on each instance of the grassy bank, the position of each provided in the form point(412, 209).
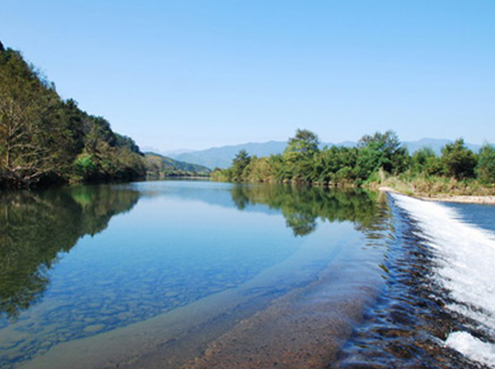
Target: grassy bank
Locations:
point(435, 188)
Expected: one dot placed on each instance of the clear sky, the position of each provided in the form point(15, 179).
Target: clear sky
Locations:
point(202, 73)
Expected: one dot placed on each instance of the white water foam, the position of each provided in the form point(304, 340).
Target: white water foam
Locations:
point(465, 258)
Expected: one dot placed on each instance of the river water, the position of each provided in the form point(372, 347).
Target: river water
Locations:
point(177, 274)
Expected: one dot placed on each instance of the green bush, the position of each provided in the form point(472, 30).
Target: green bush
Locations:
point(84, 167)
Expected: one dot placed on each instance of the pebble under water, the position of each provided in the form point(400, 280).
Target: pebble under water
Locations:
point(157, 271)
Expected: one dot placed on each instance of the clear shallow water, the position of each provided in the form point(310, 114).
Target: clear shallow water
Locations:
point(109, 273)
point(204, 275)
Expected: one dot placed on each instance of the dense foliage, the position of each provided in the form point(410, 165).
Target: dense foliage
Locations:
point(486, 164)
point(378, 155)
point(45, 139)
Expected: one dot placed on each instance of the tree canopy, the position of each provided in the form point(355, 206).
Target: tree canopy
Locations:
point(458, 160)
point(303, 144)
point(486, 165)
point(381, 151)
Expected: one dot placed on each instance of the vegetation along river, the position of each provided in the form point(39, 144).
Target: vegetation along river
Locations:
point(190, 274)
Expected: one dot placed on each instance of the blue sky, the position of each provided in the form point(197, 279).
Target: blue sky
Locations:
point(203, 73)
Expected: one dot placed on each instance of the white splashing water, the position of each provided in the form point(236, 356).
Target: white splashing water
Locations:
point(465, 267)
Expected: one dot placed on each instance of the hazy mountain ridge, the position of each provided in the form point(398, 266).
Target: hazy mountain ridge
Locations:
point(221, 157)
point(436, 144)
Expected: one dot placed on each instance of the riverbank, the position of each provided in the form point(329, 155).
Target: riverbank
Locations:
point(467, 199)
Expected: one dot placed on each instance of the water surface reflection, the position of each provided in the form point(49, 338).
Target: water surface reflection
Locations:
point(68, 273)
point(36, 227)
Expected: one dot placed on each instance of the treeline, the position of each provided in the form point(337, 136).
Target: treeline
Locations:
point(375, 157)
point(45, 139)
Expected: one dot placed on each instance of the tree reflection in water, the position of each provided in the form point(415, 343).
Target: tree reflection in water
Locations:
point(302, 206)
point(35, 227)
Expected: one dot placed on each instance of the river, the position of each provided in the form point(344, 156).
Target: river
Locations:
point(194, 274)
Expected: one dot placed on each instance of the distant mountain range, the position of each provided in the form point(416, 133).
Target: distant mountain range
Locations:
point(435, 144)
point(169, 154)
point(221, 157)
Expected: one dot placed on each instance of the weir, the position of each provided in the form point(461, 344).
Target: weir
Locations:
point(464, 256)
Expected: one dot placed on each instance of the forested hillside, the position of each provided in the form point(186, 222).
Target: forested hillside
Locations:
point(45, 139)
point(159, 166)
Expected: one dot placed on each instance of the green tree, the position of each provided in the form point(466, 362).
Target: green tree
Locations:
point(486, 164)
point(425, 161)
point(305, 143)
point(381, 150)
point(260, 170)
point(125, 141)
point(239, 164)
point(458, 160)
point(299, 155)
point(333, 160)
